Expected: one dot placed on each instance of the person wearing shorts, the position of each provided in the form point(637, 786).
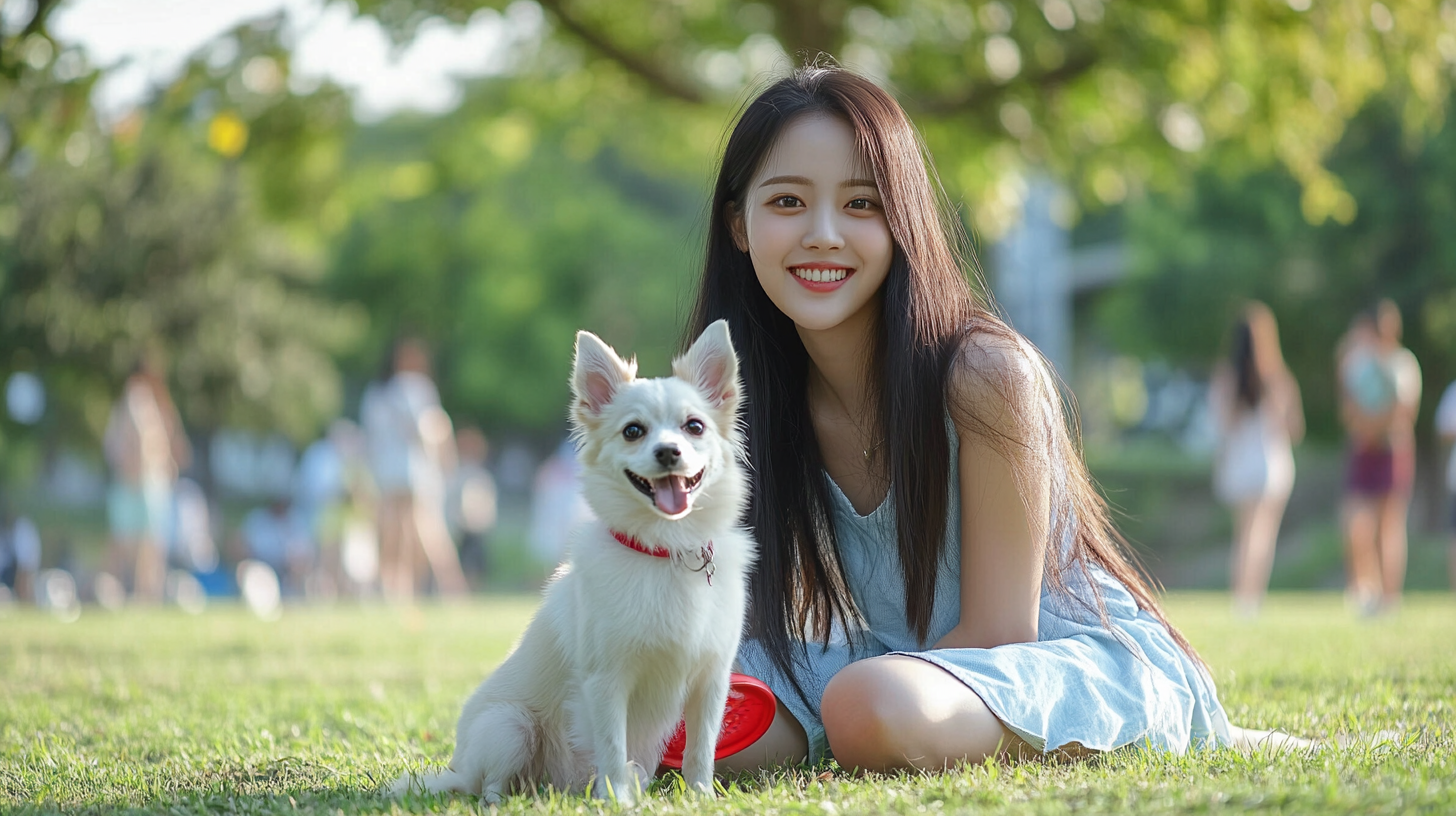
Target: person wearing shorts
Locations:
point(1380, 391)
point(146, 449)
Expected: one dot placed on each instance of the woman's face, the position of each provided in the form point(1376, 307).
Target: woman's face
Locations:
point(814, 226)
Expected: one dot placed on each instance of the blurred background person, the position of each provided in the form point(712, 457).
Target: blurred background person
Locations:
point(146, 450)
point(1256, 403)
point(321, 490)
point(19, 554)
point(557, 505)
point(471, 504)
point(411, 454)
point(1366, 393)
point(191, 545)
point(1380, 383)
point(277, 536)
point(1446, 429)
point(1395, 510)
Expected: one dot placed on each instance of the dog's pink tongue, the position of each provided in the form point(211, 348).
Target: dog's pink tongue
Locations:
point(671, 493)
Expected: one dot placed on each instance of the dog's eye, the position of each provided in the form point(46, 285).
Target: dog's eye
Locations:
point(694, 427)
point(634, 431)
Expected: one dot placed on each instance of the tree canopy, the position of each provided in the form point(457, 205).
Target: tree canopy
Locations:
point(1110, 96)
point(242, 221)
point(185, 228)
point(1203, 251)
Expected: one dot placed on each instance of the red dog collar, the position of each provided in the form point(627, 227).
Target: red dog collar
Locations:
point(633, 544)
point(706, 553)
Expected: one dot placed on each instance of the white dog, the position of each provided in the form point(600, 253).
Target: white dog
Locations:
point(642, 623)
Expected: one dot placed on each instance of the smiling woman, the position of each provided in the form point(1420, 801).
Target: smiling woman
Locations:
point(921, 507)
point(813, 224)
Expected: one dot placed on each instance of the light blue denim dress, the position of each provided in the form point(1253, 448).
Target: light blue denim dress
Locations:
point(1079, 683)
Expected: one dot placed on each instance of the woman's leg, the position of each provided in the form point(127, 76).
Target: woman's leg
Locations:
point(441, 557)
point(396, 565)
point(1394, 510)
point(1244, 513)
point(1248, 740)
point(896, 712)
point(1362, 562)
point(1262, 533)
point(784, 743)
point(151, 571)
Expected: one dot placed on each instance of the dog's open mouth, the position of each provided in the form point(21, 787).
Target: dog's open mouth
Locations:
point(668, 493)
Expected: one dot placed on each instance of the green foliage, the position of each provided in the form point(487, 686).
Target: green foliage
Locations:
point(156, 711)
point(1113, 96)
point(495, 234)
point(174, 230)
point(1227, 239)
point(244, 224)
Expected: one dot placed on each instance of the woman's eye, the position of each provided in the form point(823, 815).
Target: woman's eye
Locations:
point(860, 204)
point(694, 427)
point(634, 431)
point(786, 201)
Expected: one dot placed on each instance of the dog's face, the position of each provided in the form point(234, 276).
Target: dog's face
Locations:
point(656, 445)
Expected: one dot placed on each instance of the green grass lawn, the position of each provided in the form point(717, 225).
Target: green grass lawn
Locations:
point(155, 711)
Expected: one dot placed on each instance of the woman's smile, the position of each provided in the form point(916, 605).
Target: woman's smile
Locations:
point(815, 216)
point(821, 277)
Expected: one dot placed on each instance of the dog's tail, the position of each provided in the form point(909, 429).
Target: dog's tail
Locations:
point(446, 780)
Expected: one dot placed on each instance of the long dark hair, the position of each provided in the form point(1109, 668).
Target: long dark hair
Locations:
point(929, 311)
point(1254, 353)
point(1249, 386)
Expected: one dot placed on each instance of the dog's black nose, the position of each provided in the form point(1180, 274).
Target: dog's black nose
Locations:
point(668, 455)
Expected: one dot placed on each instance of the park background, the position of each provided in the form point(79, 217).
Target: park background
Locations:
point(269, 193)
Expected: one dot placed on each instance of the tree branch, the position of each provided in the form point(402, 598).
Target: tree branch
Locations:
point(655, 75)
point(985, 98)
point(807, 28)
point(37, 23)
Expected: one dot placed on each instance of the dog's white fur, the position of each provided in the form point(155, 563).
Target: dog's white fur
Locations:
point(625, 642)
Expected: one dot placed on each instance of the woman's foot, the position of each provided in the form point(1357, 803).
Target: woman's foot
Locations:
point(1249, 740)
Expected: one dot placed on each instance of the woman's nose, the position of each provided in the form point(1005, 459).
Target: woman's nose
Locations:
point(823, 233)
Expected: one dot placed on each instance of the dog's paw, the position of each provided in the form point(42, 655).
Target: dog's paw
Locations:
point(622, 789)
point(623, 796)
point(403, 785)
point(703, 788)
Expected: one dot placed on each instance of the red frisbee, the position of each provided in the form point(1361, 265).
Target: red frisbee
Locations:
point(748, 714)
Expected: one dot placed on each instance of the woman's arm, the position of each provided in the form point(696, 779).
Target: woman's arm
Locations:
point(1294, 410)
point(998, 392)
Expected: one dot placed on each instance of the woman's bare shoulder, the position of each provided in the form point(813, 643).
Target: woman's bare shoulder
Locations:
point(998, 380)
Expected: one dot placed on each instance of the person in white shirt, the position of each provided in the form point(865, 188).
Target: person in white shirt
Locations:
point(411, 450)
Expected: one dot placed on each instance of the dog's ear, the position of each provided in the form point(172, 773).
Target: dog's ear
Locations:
point(712, 366)
point(597, 374)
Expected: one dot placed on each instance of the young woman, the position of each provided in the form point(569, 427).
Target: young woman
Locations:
point(1260, 417)
point(938, 580)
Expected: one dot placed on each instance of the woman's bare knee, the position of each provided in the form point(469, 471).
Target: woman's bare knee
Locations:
point(899, 712)
point(859, 720)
